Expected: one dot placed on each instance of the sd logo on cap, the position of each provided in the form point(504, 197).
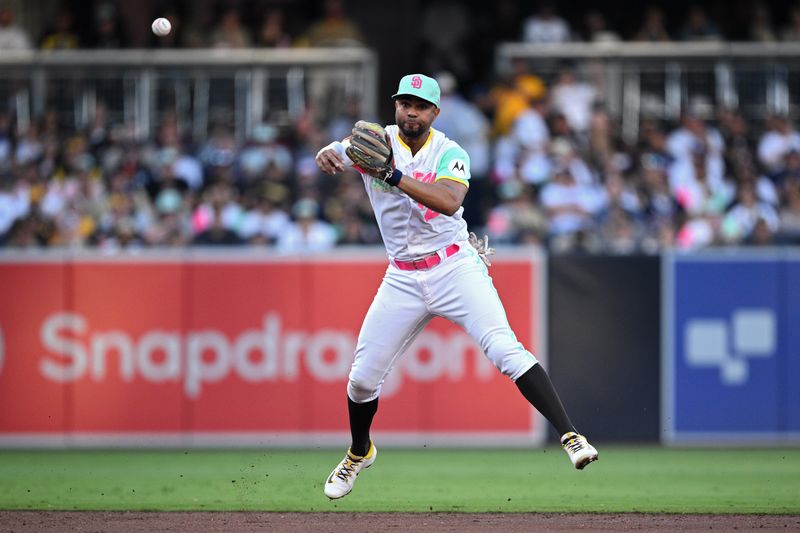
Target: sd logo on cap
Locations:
point(421, 86)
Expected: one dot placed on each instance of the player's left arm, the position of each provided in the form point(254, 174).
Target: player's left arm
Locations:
point(446, 194)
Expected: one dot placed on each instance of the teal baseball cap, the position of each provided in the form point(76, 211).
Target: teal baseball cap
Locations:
point(421, 86)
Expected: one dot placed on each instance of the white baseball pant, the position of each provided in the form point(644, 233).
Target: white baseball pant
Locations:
point(458, 289)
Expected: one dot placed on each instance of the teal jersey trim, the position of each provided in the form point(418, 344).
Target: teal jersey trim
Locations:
point(454, 165)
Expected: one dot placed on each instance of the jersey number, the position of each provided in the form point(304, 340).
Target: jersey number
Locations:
point(429, 214)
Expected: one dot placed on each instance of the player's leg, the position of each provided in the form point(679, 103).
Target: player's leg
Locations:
point(394, 320)
point(470, 300)
point(397, 315)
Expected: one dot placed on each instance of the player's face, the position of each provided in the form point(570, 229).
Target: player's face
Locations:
point(414, 116)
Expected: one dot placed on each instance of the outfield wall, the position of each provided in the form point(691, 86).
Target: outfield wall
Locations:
point(245, 348)
point(195, 348)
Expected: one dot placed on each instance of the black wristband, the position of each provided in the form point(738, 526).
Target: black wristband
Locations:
point(394, 179)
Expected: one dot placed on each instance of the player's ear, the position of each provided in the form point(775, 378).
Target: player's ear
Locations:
point(436, 111)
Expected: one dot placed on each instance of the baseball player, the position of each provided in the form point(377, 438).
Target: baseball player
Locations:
point(416, 179)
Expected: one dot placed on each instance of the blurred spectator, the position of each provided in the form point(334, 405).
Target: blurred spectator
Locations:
point(463, 122)
point(218, 153)
point(621, 196)
point(790, 213)
point(29, 146)
point(307, 233)
point(619, 234)
point(230, 33)
point(172, 155)
point(741, 219)
point(659, 205)
point(652, 28)
point(510, 97)
point(273, 33)
point(119, 225)
point(692, 138)
point(333, 29)
point(697, 232)
point(109, 32)
point(219, 208)
point(6, 142)
point(571, 209)
point(12, 37)
point(61, 35)
point(517, 218)
point(263, 155)
point(597, 30)
point(695, 189)
point(779, 139)
point(574, 98)
point(765, 188)
point(217, 234)
point(266, 221)
point(739, 144)
point(446, 26)
point(524, 150)
point(15, 204)
point(545, 26)
point(698, 27)
point(760, 27)
point(790, 170)
point(791, 31)
point(563, 152)
point(601, 151)
point(762, 234)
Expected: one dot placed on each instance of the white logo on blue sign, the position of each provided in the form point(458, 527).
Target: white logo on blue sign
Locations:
point(750, 334)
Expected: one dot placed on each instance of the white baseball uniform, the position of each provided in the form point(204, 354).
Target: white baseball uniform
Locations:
point(458, 288)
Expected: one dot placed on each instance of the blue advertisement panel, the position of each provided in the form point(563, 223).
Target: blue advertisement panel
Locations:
point(730, 354)
point(791, 376)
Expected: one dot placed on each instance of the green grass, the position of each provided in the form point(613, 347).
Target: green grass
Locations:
point(626, 479)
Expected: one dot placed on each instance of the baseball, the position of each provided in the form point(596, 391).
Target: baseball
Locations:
point(161, 26)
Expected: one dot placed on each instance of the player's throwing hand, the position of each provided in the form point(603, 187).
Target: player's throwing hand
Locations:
point(329, 161)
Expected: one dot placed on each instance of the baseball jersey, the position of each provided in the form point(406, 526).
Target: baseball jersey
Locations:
point(409, 229)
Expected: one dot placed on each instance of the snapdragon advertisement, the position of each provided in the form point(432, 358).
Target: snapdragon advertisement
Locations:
point(239, 350)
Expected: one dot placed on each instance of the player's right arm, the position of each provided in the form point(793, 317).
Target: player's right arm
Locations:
point(332, 158)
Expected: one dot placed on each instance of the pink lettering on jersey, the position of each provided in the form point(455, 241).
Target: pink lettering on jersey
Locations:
point(416, 82)
point(426, 177)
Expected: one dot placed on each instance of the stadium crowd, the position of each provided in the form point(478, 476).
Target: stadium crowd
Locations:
point(549, 165)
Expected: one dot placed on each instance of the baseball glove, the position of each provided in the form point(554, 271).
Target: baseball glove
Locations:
point(482, 247)
point(370, 150)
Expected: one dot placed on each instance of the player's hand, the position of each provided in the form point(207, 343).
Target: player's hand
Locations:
point(482, 247)
point(330, 162)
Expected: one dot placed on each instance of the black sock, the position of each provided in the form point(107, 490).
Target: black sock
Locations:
point(537, 388)
point(360, 420)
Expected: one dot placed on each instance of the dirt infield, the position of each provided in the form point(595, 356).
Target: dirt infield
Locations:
point(379, 522)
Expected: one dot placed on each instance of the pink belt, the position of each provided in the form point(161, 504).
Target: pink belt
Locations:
point(429, 261)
